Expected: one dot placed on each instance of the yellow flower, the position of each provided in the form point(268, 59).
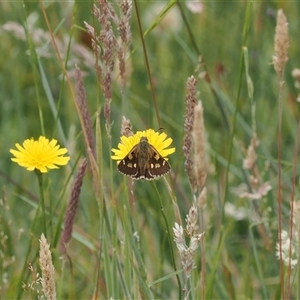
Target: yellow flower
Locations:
point(158, 140)
point(40, 154)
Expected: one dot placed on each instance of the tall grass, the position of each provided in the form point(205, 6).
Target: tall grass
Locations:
point(224, 223)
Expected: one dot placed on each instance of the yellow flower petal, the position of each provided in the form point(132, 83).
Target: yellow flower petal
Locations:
point(41, 154)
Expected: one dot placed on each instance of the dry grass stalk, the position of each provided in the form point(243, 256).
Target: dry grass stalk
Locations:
point(72, 208)
point(297, 216)
point(83, 112)
point(124, 31)
point(202, 198)
point(105, 14)
point(106, 53)
point(258, 188)
point(279, 60)
point(255, 189)
point(191, 221)
point(191, 100)
point(48, 271)
point(199, 139)
point(126, 128)
point(186, 253)
point(288, 250)
point(250, 161)
point(281, 43)
point(34, 285)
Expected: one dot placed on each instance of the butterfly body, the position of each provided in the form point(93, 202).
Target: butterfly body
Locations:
point(144, 162)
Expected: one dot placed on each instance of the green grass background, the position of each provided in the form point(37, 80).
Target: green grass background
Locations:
point(125, 267)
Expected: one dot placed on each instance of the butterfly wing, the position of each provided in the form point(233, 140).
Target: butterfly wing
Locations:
point(129, 164)
point(157, 165)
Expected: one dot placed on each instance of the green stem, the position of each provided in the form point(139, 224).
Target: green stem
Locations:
point(40, 180)
point(298, 267)
point(170, 240)
point(136, 5)
point(32, 236)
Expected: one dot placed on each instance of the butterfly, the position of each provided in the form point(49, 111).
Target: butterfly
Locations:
point(144, 162)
